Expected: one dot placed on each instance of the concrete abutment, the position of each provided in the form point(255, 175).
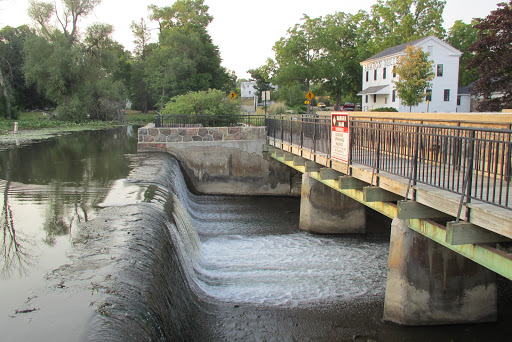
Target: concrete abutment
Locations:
point(326, 211)
point(428, 284)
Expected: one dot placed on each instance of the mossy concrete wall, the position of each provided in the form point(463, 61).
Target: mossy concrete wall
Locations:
point(223, 160)
point(326, 211)
point(429, 284)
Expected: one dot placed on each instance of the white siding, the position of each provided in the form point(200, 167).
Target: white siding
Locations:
point(439, 54)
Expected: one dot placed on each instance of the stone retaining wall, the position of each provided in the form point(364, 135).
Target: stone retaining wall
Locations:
point(177, 135)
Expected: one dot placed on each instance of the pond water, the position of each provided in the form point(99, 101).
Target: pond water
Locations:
point(47, 189)
point(259, 277)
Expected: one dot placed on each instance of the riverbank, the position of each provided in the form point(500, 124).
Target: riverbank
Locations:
point(38, 126)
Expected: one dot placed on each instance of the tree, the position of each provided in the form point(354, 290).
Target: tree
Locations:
point(15, 92)
point(137, 84)
point(79, 75)
point(461, 36)
point(339, 63)
point(395, 22)
point(183, 13)
point(492, 59)
point(261, 78)
point(415, 73)
point(297, 56)
point(142, 34)
point(186, 58)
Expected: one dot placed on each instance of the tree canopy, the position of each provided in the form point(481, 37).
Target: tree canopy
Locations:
point(492, 59)
point(461, 36)
point(415, 73)
point(327, 51)
point(185, 59)
point(78, 74)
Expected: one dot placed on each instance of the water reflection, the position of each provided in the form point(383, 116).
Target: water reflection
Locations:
point(52, 186)
point(14, 256)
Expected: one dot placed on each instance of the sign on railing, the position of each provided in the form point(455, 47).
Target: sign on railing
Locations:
point(340, 139)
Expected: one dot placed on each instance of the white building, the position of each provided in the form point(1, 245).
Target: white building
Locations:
point(378, 76)
point(248, 89)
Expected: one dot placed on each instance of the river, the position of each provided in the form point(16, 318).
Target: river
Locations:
point(231, 268)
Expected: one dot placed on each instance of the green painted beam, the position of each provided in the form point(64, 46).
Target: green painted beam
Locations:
point(484, 255)
point(461, 233)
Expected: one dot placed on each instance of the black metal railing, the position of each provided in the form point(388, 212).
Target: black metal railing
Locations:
point(471, 161)
point(203, 120)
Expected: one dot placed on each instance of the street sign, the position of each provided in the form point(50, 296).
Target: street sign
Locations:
point(306, 102)
point(340, 137)
point(232, 95)
point(310, 96)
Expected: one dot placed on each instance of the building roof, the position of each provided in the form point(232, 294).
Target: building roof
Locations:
point(399, 48)
point(467, 90)
point(374, 90)
point(393, 50)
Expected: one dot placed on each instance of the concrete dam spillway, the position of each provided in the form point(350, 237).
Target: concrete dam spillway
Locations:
point(211, 268)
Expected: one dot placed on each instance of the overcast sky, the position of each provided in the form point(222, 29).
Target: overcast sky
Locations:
point(244, 31)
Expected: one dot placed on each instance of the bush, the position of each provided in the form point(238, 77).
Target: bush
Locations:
point(384, 109)
point(277, 108)
point(211, 102)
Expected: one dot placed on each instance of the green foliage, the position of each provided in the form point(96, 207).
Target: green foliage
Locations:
point(41, 120)
point(327, 51)
point(183, 13)
point(385, 109)
point(277, 108)
point(83, 77)
point(211, 102)
point(186, 58)
point(461, 36)
point(415, 73)
point(492, 59)
point(395, 22)
point(13, 86)
point(262, 83)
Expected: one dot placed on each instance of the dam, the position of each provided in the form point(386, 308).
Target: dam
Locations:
point(158, 260)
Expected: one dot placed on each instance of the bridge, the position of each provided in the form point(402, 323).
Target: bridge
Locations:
point(444, 179)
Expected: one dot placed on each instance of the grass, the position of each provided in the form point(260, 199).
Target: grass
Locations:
point(41, 120)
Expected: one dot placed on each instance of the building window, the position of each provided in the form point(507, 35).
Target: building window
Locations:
point(439, 70)
point(385, 100)
point(367, 76)
point(458, 100)
point(393, 98)
point(394, 72)
point(384, 73)
point(374, 98)
point(447, 94)
point(366, 98)
point(375, 75)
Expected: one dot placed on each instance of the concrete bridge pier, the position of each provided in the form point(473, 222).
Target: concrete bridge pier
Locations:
point(326, 211)
point(428, 284)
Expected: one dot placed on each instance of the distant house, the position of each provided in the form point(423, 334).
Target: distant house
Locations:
point(378, 76)
point(248, 89)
